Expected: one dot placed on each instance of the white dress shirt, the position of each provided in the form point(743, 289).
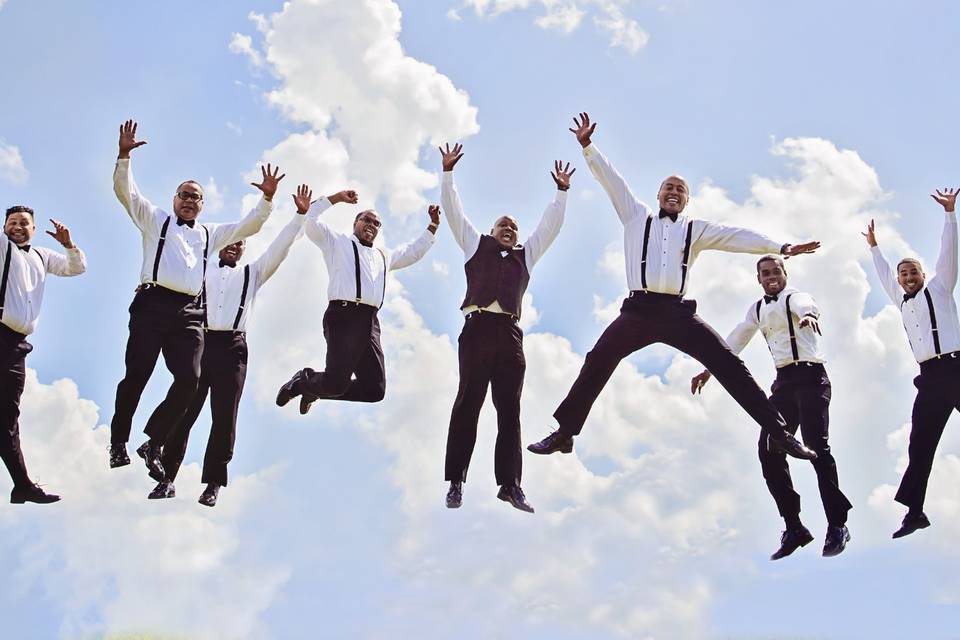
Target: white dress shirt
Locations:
point(25, 279)
point(772, 323)
point(339, 257)
point(667, 238)
point(916, 311)
point(181, 261)
point(468, 237)
point(225, 284)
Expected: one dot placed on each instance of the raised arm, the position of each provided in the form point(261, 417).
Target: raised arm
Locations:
point(552, 219)
point(738, 339)
point(407, 254)
point(888, 279)
point(721, 237)
point(267, 264)
point(223, 234)
point(72, 264)
point(624, 202)
point(463, 230)
point(318, 231)
point(946, 275)
point(140, 210)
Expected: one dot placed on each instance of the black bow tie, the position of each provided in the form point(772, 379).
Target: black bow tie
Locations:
point(189, 223)
point(672, 216)
point(226, 264)
point(23, 247)
point(769, 299)
point(910, 296)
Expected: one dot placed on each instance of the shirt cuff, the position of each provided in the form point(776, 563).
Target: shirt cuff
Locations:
point(448, 177)
point(319, 206)
point(590, 150)
point(876, 250)
point(561, 197)
point(122, 162)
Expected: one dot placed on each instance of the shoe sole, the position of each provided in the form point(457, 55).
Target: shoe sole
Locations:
point(800, 546)
point(172, 495)
point(514, 505)
point(905, 534)
point(121, 463)
point(454, 506)
point(25, 500)
point(547, 453)
point(207, 504)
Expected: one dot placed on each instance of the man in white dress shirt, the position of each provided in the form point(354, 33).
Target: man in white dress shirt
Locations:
point(22, 276)
point(790, 322)
point(930, 318)
point(491, 344)
point(660, 250)
point(231, 292)
point(354, 369)
point(166, 314)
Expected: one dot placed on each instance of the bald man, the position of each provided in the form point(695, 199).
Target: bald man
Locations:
point(660, 248)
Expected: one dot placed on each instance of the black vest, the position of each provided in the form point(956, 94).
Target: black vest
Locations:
point(492, 276)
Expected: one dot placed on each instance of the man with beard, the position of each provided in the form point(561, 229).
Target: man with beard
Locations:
point(22, 278)
point(357, 270)
point(790, 322)
point(166, 314)
point(491, 343)
point(660, 250)
point(930, 318)
point(231, 292)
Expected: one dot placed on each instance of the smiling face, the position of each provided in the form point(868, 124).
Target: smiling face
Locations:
point(366, 226)
point(673, 195)
point(910, 275)
point(771, 275)
point(188, 201)
point(232, 253)
point(505, 231)
point(19, 227)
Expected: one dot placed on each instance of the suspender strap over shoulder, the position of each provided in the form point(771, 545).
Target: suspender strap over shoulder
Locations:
point(6, 275)
point(160, 242)
point(243, 296)
point(759, 304)
point(686, 258)
point(383, 295)
point(643, 258)
point(203, 286)
point(793, 335)
point(356, 261)
point(933, 321)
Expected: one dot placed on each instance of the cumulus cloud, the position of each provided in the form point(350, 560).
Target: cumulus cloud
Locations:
point(243, 45)
point(12, 168)
point(213, 196)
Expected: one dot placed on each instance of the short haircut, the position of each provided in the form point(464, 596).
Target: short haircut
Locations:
point(366, 211)
point(910, 261)
point(190, 182)
point(772, 258)
point(18, 208)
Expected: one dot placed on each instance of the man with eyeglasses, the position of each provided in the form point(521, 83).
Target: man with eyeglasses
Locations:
point(354, 369)
point(167, 312)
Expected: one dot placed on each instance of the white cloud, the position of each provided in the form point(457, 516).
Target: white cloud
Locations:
point(453, 15)
point(243, 44)
point(235, 128)
point(440, 267)
point(624, 32)
point(213, 196)
point(12, 168)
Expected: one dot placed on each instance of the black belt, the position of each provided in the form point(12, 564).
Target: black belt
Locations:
point(479, 312)
point(12, 332)
point(178, 295)
point(654, 295)
point(224, 332)
point(800, 364)
point(351, 303)
point(941, 361)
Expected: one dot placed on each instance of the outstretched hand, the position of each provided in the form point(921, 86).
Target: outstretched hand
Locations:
point(697, 382)
point(870, 235)
point(561, 175)
point(791, 250)
point(450, 157)
point(434, 212)
point(302, 199)
point(813, 323)
point(347, 195)
point(128, 139)
point(61, 234)
point(583, 129)
point(270, 181)
point(946, 198)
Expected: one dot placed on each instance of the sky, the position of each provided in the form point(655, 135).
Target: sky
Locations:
point(803, 121)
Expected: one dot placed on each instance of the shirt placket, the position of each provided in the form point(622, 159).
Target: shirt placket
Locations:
point(666, 226)
point(223, 294)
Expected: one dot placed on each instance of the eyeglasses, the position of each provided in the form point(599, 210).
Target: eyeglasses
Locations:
point(190, 197)
point(369, 220)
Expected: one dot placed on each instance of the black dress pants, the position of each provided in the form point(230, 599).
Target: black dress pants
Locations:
point(646, 318)
point(802, 393)
point(938, 394)
point(161, 321)
point(491, 355)
point(354, 366)
point(223, 371)
point(13, 353)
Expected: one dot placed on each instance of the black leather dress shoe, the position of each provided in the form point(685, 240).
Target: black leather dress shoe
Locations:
point(306, 401)
point(455, 495)
point(556, 441)
point(151, 457)
point(791, 540)
point(32, 493)
point(209, 496)
point(118, 455)
point(164, 489)
point(790, 446)
point(912, 522)
point(835, 541)
point(291, 389)
point(513, 494)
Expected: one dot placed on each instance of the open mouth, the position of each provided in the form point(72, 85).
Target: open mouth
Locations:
point(674, 200)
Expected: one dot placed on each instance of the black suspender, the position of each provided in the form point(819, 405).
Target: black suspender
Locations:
point(163, 239)
point(243, 296)
point(933, 321)
point(203, 287)
point(686, 258)
point(643, 258)
point(356, 261)
point(759, 304)
point(793, 335)
point(383, 295)
point(6, 275)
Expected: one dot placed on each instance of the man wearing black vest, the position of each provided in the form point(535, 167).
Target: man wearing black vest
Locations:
point(790, 322)
point(166, 315)
point(357, 287)
point(491, 343)
point(231, 292)
point(660, 250)
point(930, 318)
point(22, 277)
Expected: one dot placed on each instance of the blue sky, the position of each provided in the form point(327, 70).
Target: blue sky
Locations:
point(801, 121)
